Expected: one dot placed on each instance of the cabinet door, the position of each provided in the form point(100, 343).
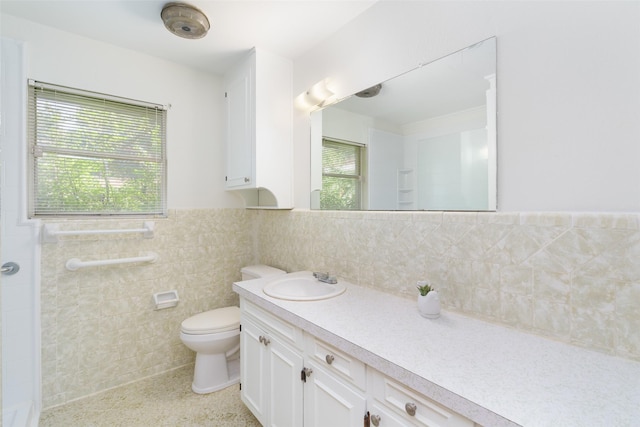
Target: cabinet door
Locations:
point(285, 387)
point(253, 373)
point(329, 401)
point(240, 124)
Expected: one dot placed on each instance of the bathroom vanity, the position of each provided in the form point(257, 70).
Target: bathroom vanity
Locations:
point(332, 361)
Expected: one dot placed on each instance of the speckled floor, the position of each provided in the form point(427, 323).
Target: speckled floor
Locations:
point(163, 400)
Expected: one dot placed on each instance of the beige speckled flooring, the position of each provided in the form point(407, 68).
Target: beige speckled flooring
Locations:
point(162, 400)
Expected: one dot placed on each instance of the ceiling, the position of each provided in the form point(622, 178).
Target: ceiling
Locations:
point(454, 83)
point(287, 28)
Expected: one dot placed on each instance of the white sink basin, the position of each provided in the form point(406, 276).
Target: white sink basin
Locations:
point(302, 286)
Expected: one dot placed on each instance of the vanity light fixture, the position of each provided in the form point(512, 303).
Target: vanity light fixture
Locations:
point(316, 96)
point(185, 21)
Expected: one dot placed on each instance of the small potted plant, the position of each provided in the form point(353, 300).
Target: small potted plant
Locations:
point(428, 301)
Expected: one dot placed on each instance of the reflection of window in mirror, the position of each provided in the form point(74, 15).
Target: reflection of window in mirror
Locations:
point(342, 175)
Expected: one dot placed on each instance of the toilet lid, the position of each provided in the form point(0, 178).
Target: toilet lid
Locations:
point(212, 321)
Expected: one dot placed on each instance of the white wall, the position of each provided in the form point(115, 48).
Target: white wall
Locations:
point(194, 124)
point(385, 157)
point(568, 90)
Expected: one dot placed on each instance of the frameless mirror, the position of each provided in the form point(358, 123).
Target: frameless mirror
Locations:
point(425, 140)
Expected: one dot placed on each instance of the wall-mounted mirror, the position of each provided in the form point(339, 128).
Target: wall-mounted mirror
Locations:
point(425, 140)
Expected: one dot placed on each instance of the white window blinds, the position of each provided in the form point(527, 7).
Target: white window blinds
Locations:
point(92, 154)
point(341, 175)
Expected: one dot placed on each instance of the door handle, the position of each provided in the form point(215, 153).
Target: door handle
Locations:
point(9, 268)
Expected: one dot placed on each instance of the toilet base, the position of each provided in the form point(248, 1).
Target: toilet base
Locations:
point(213, 372)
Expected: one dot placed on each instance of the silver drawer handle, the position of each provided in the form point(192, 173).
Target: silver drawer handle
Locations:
point(329, 358)
point(375, 420)
point(411, 408)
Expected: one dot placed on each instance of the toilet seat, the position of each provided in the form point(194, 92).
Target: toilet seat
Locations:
point(212, 321)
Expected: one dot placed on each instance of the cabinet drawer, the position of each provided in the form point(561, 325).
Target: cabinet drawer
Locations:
point(336, 361)
point(412, 406)
point(275, 325)
point(381, 416)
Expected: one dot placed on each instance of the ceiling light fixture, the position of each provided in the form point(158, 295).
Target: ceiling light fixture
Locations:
point(185, 20)
point(370, 92)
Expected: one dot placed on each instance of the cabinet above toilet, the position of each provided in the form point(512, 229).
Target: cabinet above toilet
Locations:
point(259, 147)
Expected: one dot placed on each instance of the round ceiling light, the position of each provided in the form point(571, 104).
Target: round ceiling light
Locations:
point(185, 20)
point(370, 92)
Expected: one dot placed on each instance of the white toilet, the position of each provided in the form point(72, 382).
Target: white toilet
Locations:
point(215, 337)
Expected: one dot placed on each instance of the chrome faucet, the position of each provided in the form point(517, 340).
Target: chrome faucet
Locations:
point(324, 277)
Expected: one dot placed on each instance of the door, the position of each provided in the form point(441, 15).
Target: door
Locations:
point(270, 376)
point(239, 137)
point(19, 244)
point(286, 386)
point(253, 375)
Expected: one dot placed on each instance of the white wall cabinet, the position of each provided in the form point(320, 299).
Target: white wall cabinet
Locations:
point(335, 390)
point(259, 143)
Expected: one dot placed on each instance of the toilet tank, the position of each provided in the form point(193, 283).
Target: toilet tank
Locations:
point(260, 270)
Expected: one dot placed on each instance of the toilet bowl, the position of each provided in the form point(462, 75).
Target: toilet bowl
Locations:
point(215, 337)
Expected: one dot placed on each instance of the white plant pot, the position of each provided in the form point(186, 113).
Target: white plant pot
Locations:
point(429, 305)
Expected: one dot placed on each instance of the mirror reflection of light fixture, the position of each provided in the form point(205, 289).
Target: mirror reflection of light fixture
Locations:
point(370, 92)
point(316, 96)
point(185, 21)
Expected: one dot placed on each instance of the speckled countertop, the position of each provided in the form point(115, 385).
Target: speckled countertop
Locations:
point(493, 375)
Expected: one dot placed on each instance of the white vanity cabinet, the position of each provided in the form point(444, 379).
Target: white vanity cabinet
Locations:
point(289, 378)
point(259, 144)
point(271, 361)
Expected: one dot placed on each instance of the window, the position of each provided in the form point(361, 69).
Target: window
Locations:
point(92, 154)
point(341, 175)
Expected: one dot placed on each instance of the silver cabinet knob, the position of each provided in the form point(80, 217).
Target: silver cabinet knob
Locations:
point(375, 420)
point(247, 179)
point(329, 358)
point(10, 268)
point(411, 408)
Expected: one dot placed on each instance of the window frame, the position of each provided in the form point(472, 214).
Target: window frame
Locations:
point(359, 178)
point(113, 104)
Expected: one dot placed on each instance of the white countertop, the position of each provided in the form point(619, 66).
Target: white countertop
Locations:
point(493, 375)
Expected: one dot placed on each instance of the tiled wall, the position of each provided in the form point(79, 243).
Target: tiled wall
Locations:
point(571, 277)
point(574, 278)
point(99, 328)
